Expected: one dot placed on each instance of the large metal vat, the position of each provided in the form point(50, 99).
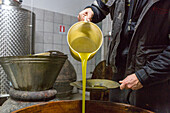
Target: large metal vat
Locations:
point(32, 77)
point(33, 73)
point(16, 34)
point(75, 107)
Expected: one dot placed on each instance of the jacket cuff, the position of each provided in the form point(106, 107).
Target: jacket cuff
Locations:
point(143, 77)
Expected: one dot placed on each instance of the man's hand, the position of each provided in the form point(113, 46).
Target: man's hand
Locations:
point(88, 13)
point(130, 82)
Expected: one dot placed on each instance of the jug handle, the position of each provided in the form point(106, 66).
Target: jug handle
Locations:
point(85, 19)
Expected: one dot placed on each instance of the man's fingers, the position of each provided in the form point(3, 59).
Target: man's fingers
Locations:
point(121, 81)
point(89, 17)
point(125, 85)
point(82, 17)
point(78, 18)
point(88, 13)
point(122, 86)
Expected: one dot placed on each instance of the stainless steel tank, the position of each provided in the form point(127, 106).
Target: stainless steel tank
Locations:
point(16, 34)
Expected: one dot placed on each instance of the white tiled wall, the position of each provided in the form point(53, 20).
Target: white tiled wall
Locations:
point(47, 36)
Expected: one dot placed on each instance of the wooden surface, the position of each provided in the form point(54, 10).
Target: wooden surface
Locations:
point(76, 105)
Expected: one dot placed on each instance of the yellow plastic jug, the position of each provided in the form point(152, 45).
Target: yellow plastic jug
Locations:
point(88, 32)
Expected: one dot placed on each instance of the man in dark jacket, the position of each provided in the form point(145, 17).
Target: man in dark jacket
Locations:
point(139, 51)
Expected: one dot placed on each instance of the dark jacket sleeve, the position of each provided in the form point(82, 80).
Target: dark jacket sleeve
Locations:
point(100, 10)
point(157, 70)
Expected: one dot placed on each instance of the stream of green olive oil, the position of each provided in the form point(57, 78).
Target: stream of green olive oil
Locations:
point(85, 47)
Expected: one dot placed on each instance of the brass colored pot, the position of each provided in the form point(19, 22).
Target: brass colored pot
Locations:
point(32, 73)
point(97, 84)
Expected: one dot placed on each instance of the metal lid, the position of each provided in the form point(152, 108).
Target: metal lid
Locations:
point(51, 53)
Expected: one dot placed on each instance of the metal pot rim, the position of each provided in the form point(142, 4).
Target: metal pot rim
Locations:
point(31, 58)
